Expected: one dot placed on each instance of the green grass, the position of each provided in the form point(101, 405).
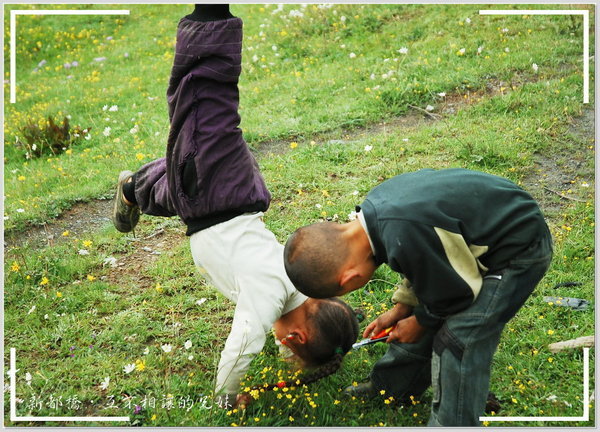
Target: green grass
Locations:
point(91, 320)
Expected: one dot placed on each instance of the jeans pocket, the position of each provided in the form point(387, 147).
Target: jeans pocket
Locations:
point(435, 378)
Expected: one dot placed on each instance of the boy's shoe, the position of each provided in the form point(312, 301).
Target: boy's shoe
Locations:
point(364, 390)
point(124, 216)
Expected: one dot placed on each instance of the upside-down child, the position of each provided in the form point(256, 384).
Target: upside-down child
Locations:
point(212, 182)
point(473, 246)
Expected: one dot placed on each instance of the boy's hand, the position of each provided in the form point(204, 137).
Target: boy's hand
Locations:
point(388, 319)
point(407, 330)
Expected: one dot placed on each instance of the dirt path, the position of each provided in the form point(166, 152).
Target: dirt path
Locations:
point(558, 179)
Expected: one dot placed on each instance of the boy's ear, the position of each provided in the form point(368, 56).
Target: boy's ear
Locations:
point(347, 277)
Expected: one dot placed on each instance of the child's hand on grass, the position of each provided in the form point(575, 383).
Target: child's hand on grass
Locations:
point(242, 401)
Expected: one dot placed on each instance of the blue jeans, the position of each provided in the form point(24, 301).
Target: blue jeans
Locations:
point(459, 354)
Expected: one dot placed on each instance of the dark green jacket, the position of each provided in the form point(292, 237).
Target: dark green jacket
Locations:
point(444, 229)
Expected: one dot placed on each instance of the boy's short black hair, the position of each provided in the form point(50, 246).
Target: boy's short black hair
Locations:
point(313, 257)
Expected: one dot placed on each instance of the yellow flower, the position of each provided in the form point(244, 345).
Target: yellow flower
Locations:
point(87, 243)
point(550, 332)
point(91, 278)
point(293, 145)
point(15, 267)
point(140, 365)
point(158, 288)
point(336, 402)
point(21, 178)
point(44, 281)
point(382, 392)
point(291, 418)
point(550, 359)
point(66, 233)
point(153, 417)
point(58, 294)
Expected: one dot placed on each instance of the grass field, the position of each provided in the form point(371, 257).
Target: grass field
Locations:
point(334, 99)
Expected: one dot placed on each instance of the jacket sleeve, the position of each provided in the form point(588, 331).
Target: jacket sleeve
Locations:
point(442, 269)
point(253, 320)
point(404, 294)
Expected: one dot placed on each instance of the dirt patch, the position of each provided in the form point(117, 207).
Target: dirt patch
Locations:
point(127, 269)
point(564, 174)
point(81, 219)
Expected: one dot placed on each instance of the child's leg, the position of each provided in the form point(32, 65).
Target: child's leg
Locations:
point(465, 345)
point(405, 369)
point(150, 188)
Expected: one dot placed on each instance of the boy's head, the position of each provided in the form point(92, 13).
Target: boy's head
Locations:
point(314, 255)
point(322, 260)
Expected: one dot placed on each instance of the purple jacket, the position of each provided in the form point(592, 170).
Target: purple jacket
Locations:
point(211, 174)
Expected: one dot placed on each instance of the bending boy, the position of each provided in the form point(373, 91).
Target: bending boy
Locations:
point(473, 247)
point(212, 182)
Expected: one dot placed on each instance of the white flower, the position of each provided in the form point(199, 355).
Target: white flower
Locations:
point(46, 316)
point(88, 137)
point(384, 76)
point(535, 67)
point(199, 302)
point(318, 206)
point(468, 20)
point(106, 131)
point(114, 108)
point(403, 50)
point(28, 378)
point(20, 210)
point(147, 351)
point(479, 49)
point(167, 348)
point(462, 50)
point(372, 76)
point(31, 310)
point(133, 130)
point(254, 58)
point(352, 55)
point(191, 357)
point(343, 18)
point(296, 13)
point(352, 215)
point(83, 252)
point(343, 46)
point(111, 261)
point(129, 368)
point(355, 193)
point(429, 108)
point(274, 47)
point(187, 344)
point(104, 384)
point(442, 94)
point(368, 148)
point(504, 30)
point(34, 147)
point(507, 49)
